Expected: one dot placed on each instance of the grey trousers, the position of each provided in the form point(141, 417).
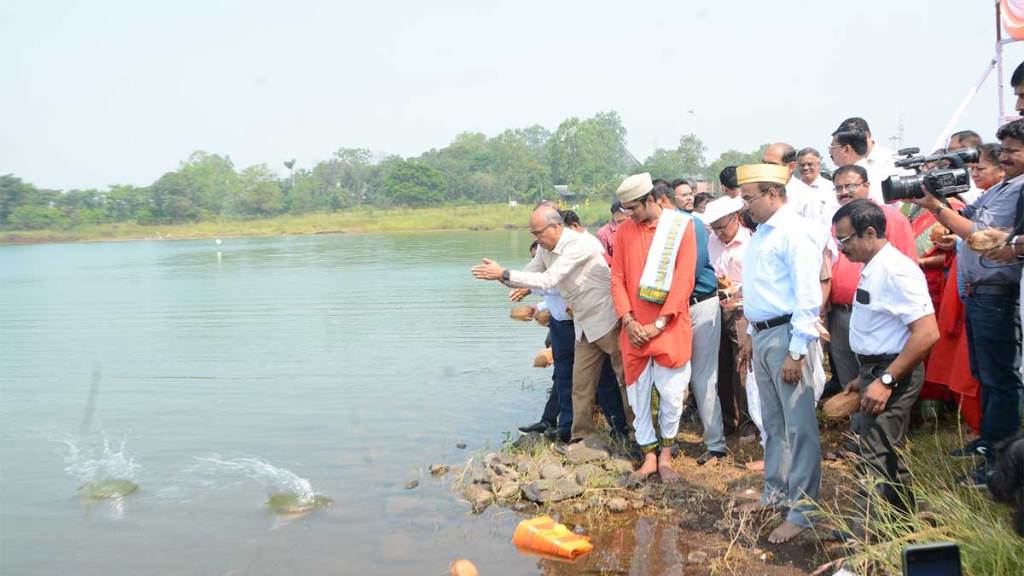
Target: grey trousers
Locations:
point(586, 373)
point(792, 453)
point(706, 321)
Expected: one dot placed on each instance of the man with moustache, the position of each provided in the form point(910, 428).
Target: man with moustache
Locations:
point(851, 183)
point(781, 297)
point(891, 330)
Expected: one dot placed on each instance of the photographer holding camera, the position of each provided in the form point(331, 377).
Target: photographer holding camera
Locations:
point(990, 292)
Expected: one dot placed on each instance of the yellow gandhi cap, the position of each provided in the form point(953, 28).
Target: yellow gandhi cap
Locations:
point(770, 173)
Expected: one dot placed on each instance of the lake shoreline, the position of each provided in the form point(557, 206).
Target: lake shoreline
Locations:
point(467, 218)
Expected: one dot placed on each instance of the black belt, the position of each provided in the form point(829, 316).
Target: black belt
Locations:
point(758, 326)
point(991, 289)
point(843, 307)
point(875, 359)
point(702, 297)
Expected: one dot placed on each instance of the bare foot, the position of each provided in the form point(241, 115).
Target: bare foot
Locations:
point(756, 466)
point(650, 466)
point(786, 532)
point(668, 475)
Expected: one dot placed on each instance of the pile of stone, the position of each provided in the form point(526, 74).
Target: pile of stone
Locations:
point(585, 476)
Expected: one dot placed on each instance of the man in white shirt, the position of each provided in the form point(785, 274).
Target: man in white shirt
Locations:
point(573, 263)
point(781, 300)
point(821, 200)
point(892, 327)
point(726, 248)
point(880, 159)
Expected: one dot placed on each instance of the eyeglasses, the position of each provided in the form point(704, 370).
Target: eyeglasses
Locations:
point(541, 231)
point(848, 187)
point(841, 241)
point(747, 200)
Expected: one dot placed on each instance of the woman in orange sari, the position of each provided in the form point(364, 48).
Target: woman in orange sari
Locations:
point(948, 365)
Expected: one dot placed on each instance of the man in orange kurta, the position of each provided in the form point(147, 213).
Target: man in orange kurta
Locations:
point(655, 339)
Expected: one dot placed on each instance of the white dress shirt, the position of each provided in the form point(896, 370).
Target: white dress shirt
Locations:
point(727, 259)
point(781, 276)
point(554, 303)
point(577, 268)
point(891, 295)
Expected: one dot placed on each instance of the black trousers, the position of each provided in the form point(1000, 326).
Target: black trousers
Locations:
point(882, 434)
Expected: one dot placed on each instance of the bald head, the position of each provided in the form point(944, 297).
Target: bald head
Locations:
point(781, 154)
point(546, 226)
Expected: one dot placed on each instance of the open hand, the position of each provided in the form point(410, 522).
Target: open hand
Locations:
point(517, 294)
point(487, 270)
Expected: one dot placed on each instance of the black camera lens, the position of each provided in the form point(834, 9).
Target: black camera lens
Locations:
point(896, 188)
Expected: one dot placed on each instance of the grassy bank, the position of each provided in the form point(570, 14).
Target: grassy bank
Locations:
point(360, 220)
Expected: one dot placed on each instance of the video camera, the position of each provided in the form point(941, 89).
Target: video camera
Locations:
point(940, 182)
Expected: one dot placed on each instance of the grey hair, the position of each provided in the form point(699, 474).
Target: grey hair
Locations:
point(551, 215)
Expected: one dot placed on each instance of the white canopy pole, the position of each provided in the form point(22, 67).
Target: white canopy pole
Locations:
point(944, 135)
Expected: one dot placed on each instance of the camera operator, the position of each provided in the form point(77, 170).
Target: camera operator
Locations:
point(990, 293)
point(892, 327)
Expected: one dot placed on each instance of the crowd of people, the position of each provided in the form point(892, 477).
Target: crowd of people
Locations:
point(734, 301)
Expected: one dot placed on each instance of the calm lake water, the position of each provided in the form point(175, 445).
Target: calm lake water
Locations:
point(218, 374)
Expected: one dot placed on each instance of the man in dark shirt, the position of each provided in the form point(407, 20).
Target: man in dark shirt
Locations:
point(990, 294)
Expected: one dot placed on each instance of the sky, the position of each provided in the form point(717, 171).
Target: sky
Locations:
point(108, 92)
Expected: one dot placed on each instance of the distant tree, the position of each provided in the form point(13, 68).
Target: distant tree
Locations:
point(414, 184)
point(257, 194)
point(589, 155)
point(687, 159)
point(173, 198)
point(125, 202)
point(210, 180)
point(731, 158)
point(36, 217)
point(14, 193)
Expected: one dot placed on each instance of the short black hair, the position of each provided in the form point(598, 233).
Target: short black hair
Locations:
point(680, 181)
point(1018, 75)
point(970, 138)
point(1013, 130)
point(863, 214)
point(854, 123)
point(989, 152)
point(570, 217)
point(806, 151)
point(616, 206)
point(858, 170)
point(661, 189)
point(788, 153)
point(856, 139)
point(701, 198)
point(727, 177)
point(657, 181)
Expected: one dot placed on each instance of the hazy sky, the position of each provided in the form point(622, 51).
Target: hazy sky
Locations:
point(103, 92)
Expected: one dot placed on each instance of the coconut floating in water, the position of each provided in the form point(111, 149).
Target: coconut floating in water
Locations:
point(292, 503)
point(107, 489)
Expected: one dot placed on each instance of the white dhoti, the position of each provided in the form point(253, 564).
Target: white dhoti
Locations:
point(672, 385)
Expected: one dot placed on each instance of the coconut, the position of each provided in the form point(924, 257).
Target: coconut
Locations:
point(290, 503)
point(985, 240)
point(841, 405)
point(543, 318)
point(524, 313)
point(106, 489)
point(544, 358)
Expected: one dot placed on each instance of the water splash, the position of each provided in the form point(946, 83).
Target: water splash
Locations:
point(81, 463)
point(274, 479)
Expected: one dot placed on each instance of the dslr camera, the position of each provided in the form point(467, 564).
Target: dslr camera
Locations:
point(940, 182)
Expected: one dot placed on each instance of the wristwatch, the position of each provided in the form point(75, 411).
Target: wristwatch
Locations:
point(504, 275)
point(796, 357)
point(888, 380)
point(659, 323)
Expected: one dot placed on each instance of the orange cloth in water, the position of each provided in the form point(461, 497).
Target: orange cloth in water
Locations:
point(949, 363)
point(671, 348)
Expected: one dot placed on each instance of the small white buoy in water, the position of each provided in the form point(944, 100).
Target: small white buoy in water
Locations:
point(217, 242)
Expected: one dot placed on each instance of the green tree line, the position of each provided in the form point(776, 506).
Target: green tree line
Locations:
point(588, 155)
